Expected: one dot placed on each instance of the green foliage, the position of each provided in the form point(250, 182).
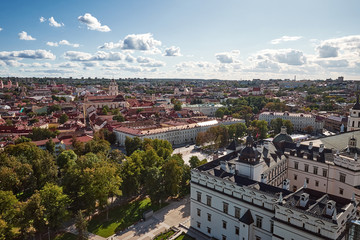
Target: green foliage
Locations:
point(173, 170)
point(177, 105)
point(119, 117)
point(277, 123)
point(105, 110)
point(53, 108)
point(22, 139)
point(218, 136)
point(42, 133)
point(237, 130)
point(81, 225)
point(63, 118)
point(9, 212)
point(132, 144)
point(50, 146)
point(259, 129)
point(97, 146)
point(66, 159)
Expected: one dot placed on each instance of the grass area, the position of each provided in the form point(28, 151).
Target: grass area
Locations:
point(65, 236)
point(184, 236)
point(165, 235)
point(121, 217)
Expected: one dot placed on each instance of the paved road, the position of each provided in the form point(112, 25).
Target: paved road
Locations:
point(188, 152)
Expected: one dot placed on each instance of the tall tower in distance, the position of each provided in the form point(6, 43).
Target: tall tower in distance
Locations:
point(354, 117)
point(113, 88)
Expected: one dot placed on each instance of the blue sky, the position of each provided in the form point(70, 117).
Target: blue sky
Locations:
point(229, 39)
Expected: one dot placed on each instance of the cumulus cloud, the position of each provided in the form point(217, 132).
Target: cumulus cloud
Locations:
point(141, 59)
point(62, 42)
point(42, 19)
point(98, 56)
point(54, 23)
point(24, 36)
point(69, 65)
point(130, 58)
point(327, 51)
point(228, 57)
point(333, 63)
point(1, 29)
point(142, 42)
point(92, 23)
point(32, 54)
point(286, 56)
point(172, 51)
point(153, 64)
point(285, 39)
point(44, 65)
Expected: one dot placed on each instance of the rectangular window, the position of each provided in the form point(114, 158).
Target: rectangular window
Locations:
point(198, 212)
point(225, 207)
point(223, 237)
point(316, 183)
point(198, 196)
point(209, 230)
point(258, 221)
point(224, 224)
point(209, 217)
point(271, 226)
point(295, 177)
point(296, 165)
point(306, 168)
point(198, 224)
point(307, 180)
point(315, 170)
point(341, 191)
point(342, 177)
point(237, 230)
point(208, 200)
point(237, 212)
point(324, 172)
point(257, 238)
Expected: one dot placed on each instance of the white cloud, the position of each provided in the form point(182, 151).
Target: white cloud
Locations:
point(130, 58)
point(153, 63)
point(69, 65)
point(32, 54)
point(1, 29)
point(92, 23)
point(44, 65)
point(54, 23)
point(142, 42)
point(327, 51)
point(24, 36)
point(228, 57)
point(333, 63)
point(98, 56)
point(42, 19)
point(287, 56)
point(172, 51)
point(285, 39)
point(141, 59)
point(62, 42)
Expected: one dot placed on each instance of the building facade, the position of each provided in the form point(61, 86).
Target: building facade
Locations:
point(299, 120)
point(354, 117)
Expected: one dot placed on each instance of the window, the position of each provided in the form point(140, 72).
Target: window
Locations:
point(225, 207)
point(208, 200)
point(209, 230)
point(258, 221)
point(307, 180)
point(209, 217)
point(342, 177)
point(306, 169)
point(324, 172)
point(223, 237)
point(341, 191)
point(257, 238)
point(237, 230)
point(198, 212)
point(295, 177)
point(296, 165)
point(271, 226)
point(198, 224)
point(316, 183)
point(315, 170)
point(294, 188)
point(224, 224)
point(237, 212)
point(198, 196)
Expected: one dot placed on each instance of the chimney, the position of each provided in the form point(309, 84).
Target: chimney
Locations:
point(321, 149)
point(224, 166)
point(330, 207)
point(310, 145)
point(280, 197)
point(263, 178)
point(304, 198)
point(286, 184)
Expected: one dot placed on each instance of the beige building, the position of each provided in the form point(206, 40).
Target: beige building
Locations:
point(354, 118)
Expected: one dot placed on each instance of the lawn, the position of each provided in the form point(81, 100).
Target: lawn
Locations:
point(184, 237)
point(121, 217)
point(165, 235)
point(65, 236)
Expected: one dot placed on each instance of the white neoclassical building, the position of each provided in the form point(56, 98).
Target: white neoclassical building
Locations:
point(299, 120)
point(354, 117)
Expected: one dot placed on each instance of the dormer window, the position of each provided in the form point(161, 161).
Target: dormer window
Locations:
point(330, 207)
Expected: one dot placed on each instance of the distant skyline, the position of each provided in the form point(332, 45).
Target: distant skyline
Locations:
point(229, 39)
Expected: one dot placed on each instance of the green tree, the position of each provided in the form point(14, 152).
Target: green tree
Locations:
point(173, 170)
point(119, 117)
point(219, 113)
point(132, 144)
point(78, 147)
point(154, 184)
point(50, 146)
point(259, 129)
point(22, 139)
point(277, 123)
point(194, 162)
point(53, 108)
point(177, 105)
point(81, 225)
point(63, 118)
point(42, 134)
point(97, 146)
point(66, 159)
point(9, 211)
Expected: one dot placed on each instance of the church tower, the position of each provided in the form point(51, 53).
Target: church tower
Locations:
point(354, 118)
point(113, 88)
